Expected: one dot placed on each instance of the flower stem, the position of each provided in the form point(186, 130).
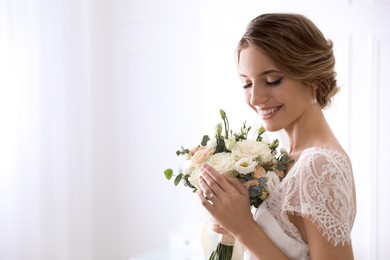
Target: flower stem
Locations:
point(224, 249)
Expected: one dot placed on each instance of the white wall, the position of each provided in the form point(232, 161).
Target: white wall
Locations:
point(96, 96)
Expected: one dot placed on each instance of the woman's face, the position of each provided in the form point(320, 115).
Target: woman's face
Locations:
point(279, 100)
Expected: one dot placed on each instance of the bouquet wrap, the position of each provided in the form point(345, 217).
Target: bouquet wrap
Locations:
point(227, 239)
point(227, 247)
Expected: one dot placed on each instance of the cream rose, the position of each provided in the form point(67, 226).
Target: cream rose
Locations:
point(222, 162)
point(252, 148)
point(194, 173)
point(245, 165)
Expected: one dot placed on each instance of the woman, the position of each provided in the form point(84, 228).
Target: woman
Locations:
point(287, 67)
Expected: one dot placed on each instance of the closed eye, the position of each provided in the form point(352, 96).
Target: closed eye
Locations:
point(274, 83)
point(247, 86)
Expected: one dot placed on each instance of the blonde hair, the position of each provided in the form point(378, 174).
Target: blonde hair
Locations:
point(298, 49)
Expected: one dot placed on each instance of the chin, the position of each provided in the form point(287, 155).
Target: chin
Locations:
point(271, 127)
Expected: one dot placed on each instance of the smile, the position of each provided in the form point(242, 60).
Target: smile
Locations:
point(269, 111)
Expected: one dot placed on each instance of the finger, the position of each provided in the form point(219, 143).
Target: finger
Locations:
point(214, 179)
point(218, 229)
point(237, 185)
point(207, 192)
point(206, 204)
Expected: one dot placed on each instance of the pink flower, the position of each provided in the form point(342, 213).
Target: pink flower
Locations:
point(251, 183)
point(202, 154)
point(259, 172)
point(192, 152)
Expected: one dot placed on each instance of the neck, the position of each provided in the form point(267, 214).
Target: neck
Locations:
point(309, 130)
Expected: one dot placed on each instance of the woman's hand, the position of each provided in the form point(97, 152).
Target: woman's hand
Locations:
point(217, 228)
point(226, 199)
point(230, 207)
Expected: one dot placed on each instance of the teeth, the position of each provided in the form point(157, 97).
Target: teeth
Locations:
point(268, 111)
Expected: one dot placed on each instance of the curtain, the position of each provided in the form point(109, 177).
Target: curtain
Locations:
point(44, 95)
point(82, 109)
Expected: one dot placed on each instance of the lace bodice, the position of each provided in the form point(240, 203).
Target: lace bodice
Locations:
point(319, 186)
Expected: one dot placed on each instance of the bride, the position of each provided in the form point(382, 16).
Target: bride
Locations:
point(287, 67)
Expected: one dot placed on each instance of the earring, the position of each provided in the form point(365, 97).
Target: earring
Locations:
point(314, 100)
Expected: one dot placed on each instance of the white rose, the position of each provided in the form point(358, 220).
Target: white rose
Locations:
point(245, 165)
point(272, 180)
point(252, 148)
point(222, 162)
point(194, 173)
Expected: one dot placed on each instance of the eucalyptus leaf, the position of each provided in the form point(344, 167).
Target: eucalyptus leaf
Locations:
point(178, 179)
point(168, 173)
point(205, 139)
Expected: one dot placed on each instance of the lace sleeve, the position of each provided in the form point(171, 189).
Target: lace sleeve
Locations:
point(322, 189)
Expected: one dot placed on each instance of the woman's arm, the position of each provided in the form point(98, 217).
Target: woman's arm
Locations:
point(321, 248)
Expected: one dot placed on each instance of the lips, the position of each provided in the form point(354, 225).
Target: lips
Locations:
point(267, 112)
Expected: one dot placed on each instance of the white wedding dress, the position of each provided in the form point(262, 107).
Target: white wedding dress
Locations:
point(319, 186)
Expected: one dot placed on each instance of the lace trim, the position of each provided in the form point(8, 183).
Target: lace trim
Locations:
point(320, 187)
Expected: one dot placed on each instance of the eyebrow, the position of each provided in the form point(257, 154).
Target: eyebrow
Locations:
point(264, 73)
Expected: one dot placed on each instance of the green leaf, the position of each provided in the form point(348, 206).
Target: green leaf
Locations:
point(260, 131)
point(218, 130)
point(182, 151)
point(221, 146)
point(168, 173)
point(178, 179)
point(274, 145)
point(225, 122)
point(205, 139)
point(187, 182)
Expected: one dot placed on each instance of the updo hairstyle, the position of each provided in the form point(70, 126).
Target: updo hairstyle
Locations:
point(298, 49)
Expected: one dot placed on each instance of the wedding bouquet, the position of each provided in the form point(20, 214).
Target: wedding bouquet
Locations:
point(256, 163)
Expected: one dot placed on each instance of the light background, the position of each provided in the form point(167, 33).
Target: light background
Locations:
point(97, 95)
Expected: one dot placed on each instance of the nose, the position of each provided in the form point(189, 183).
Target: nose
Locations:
point(258, 96)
